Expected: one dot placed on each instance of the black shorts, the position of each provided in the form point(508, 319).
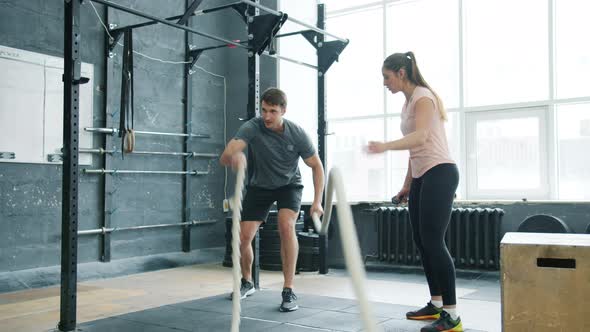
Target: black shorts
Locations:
point(258, 201)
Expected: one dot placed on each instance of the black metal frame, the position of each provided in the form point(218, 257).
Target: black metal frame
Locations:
point(188, 114)
point(323, 239)
point(108, 209)
point(252, 110)
point(69, 224)
point(256, 44)
point(262, 30)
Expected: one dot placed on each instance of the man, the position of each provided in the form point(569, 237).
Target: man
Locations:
point(275, 145)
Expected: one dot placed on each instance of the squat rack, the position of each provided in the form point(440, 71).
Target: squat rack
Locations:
point(256, 45)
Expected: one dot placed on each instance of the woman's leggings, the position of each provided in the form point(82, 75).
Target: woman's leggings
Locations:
point(430, 203)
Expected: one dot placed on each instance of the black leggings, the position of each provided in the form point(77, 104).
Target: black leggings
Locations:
point(430, 204)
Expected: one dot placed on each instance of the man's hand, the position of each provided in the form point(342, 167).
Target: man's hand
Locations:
point(316, 208)
point(238, 160)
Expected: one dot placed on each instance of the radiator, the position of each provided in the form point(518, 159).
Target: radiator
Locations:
point(473, 237)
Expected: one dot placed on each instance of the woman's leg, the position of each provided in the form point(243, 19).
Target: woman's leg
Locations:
point(414, 207)
point(436, 202)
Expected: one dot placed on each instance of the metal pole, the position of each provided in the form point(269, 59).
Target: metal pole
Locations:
point(163, 21)
point(289, 18)
point(188, 115)
point(323, 238)
point(110, 230)
point(113, 131)
point(252, 109)
point(116, 171)
point(290, 60)
point(157, 153)
point(69, 219)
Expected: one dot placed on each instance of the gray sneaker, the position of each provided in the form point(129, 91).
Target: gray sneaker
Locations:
point(246, 289)
point(289, 303)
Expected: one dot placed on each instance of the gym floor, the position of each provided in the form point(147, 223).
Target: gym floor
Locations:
point(195, 298)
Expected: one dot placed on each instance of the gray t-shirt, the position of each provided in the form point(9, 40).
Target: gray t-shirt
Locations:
point(275, 156)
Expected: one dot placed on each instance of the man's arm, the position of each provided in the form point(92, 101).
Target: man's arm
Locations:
point(317, 169)
point(234, 147)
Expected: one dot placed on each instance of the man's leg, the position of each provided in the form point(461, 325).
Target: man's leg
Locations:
point(289, 252)
point(248, 230)
point(255, 210)
point(289, 244)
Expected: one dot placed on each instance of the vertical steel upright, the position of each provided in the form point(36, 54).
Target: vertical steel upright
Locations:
point(69, 224)
point(188, 141)
point(105, 238)
point(253, 105)
point(321, 16)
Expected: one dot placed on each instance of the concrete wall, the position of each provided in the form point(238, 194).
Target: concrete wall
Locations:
point(30, 194)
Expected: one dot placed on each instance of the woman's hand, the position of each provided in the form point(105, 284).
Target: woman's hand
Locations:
point(376, 147)
point(402, 196)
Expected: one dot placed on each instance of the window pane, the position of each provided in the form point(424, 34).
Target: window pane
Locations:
point(453, 131)
point(364, 174)
point(506, 51)
point(436, 49)
point(302, 10)
point(301, 109)
point(302, 102)
point(574, 139)
point(572, 55)
point(398, 160)
point(507, 155)
point(355, 83)
point(332, 5)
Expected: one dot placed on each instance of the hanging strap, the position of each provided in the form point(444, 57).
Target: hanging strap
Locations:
point(126, 114)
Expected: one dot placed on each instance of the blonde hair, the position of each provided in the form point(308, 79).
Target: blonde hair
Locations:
point(407, 61)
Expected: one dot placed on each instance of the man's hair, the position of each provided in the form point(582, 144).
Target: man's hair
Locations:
point(275, 97)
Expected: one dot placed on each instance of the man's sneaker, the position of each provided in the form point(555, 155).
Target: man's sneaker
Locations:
point(246, 289)
point(288, 303)
point(444, 324)
point(430, 311)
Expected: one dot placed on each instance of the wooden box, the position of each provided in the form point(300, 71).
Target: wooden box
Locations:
point(545, 282)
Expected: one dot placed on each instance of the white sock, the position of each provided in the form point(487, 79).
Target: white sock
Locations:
point(437, 303)
point(452, 312)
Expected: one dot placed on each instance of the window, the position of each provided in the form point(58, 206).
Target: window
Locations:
point(353, 89)
point(332, 5)
point(506, 51)
point(513, 76)
point(364, 174)
point(435, 44)
point(453, 128)
point(506, 154)
point(573, 136)
point(572, 55)
point(397, 160)
point(300, 82)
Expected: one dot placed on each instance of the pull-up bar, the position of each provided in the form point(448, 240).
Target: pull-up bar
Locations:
point(309, 26)
point(163, 21)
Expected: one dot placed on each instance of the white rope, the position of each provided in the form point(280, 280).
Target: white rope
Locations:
point(352, 252)
point(235, 246)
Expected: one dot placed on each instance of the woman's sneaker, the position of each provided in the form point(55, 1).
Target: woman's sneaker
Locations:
point(430, 311)
point(444, 324)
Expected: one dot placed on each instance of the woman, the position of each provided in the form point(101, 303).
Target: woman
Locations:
point(429, 186)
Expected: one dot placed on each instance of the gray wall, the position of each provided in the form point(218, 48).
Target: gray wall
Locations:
point(30, 194)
